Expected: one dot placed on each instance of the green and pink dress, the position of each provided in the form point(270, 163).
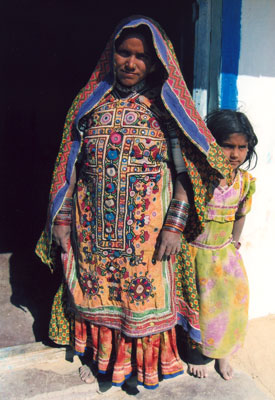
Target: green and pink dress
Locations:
point(221, 277)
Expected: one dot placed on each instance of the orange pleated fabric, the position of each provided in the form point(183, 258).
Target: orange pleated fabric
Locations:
point(152, 358)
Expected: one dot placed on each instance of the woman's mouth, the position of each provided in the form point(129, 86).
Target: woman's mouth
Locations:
point(130, 73)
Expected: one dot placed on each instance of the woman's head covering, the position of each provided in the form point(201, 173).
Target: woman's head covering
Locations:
point(203, 157)
point(175, 94)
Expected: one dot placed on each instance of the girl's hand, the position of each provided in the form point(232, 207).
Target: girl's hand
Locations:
point(61, 235)
point(168, 243)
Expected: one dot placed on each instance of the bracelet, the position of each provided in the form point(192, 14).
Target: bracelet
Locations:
point(236, 244)
point(176, 216)
point(64, 216)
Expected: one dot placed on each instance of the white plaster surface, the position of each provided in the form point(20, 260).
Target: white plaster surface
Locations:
point(257, 38)
point(256, 94)
point(259, 237)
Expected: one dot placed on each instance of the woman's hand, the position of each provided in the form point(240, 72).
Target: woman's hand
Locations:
point(61, 235)
point(168, 243)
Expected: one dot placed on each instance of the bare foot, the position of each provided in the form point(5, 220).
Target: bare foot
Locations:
point(224, 368)
point(86, 374)
point(199, 371)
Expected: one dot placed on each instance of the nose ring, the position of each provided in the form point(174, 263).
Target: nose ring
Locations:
point(131, 65)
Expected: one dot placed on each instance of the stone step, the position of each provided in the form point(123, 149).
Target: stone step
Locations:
point(27, 355)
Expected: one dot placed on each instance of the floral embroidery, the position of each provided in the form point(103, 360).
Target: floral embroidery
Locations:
point(116, 138)
point(122, 171)
point(140, 288)
point(90, 284)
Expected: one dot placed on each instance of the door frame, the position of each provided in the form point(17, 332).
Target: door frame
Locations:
point(207, 56)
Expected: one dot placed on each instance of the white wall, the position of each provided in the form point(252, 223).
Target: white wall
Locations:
point(256, 97)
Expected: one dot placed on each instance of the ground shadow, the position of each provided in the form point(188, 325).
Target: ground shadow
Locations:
point(33, 288)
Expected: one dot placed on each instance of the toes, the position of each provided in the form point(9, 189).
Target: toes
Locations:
point(90, 379)
point(225, 369)
point(191, 370)
point(228, 373)
point(199, 371)
point(205, 374)
point(225, 375)
point(86, 374)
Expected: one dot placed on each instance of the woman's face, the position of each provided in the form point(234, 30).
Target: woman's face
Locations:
point(133, 61)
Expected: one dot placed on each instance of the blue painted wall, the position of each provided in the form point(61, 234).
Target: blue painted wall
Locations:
point(230, 53)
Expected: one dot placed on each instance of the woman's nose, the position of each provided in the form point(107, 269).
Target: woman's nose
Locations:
point(131, 63)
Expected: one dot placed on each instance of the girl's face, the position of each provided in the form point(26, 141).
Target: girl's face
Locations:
point(235, 148)
point(133, 61)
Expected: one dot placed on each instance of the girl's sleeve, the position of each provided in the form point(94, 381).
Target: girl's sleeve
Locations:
point(249, 188)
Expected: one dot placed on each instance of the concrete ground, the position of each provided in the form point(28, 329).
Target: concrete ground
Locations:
point(38, 372)
point(30, 368)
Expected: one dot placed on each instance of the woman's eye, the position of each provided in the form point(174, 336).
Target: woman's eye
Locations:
point(123, 53)
point(143, 57)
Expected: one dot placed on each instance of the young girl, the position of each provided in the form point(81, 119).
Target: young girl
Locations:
point(221, 276)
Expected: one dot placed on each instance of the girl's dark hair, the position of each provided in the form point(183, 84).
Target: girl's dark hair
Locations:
point(222, 123)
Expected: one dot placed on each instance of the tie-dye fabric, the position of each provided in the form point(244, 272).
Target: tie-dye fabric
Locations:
point(221, 276)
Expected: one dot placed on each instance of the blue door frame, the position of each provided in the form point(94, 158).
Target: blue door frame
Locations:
point(230, 53)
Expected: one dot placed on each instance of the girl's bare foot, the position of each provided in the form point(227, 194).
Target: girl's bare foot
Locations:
point(224, 368)
point(86, 375)
point(199, 371)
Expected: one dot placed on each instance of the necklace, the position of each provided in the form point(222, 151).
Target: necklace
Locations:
point(129, 90)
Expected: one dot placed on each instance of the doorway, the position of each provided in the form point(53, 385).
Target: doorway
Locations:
point(49, 49)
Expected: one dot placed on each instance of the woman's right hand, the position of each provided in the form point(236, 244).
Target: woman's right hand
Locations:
point(61, 235)
point(168, 243)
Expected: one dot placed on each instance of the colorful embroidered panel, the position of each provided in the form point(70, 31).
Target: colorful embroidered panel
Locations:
point(122, 167)
point(123, 192)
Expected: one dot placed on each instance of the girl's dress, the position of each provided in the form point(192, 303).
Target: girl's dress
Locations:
point(221, 277)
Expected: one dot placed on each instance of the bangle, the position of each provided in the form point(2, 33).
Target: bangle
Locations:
point(236, 244)
point(176, 216)
point(64, 216)
point(171, 229)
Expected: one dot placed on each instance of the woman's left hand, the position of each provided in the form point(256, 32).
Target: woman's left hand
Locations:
point(168, 243)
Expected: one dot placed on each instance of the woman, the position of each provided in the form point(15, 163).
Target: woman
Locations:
point(130, 133)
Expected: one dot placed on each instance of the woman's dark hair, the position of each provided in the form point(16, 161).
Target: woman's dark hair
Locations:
point(159, 74)
point(140, 30)
point(222, 123)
